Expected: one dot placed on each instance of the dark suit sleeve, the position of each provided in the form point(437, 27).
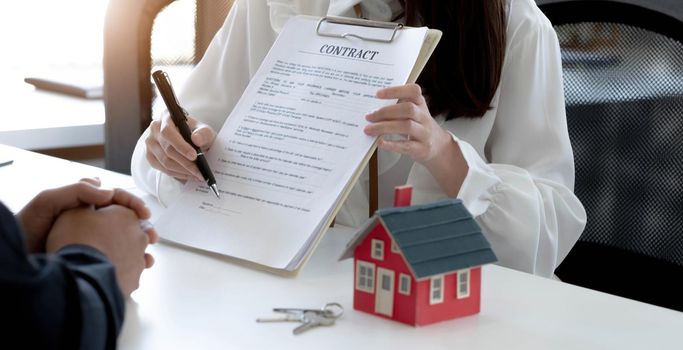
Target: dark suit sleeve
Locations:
point(68, 300)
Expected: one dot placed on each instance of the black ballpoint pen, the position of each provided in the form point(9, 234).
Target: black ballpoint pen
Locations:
point(180, 120)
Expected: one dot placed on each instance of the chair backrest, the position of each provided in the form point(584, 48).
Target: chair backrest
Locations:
point(623, 81)
point(128, 91)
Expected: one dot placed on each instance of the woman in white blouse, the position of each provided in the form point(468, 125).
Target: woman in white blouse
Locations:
point(490, 129)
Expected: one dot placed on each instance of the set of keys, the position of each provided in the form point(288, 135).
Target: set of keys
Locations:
point(309, 318)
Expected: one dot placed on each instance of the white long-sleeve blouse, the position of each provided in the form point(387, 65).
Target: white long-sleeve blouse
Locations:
point(519, 185)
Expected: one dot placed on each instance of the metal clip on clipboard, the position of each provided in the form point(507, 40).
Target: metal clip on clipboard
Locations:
point(358, 22)
point(373, 198)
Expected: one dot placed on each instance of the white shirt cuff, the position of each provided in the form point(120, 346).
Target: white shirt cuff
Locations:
point(480, 183)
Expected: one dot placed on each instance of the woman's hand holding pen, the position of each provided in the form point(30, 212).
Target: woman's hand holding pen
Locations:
point(426, 141)
point(169, 153)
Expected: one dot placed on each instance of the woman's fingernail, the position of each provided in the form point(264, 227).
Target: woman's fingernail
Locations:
point(146, 225)
point(191, 155)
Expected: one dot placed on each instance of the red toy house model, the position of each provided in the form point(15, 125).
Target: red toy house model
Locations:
point(419, 264)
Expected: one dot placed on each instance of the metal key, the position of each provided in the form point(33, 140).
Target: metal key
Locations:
point(288, 317)
point(330, 310)
point(314, 319)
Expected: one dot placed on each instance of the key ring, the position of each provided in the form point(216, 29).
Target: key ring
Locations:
point(333, 310)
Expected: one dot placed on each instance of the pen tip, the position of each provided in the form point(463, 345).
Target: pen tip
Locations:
point(215, 190)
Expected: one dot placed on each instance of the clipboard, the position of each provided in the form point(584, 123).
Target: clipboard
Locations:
point(431, 40)
point(299, 249)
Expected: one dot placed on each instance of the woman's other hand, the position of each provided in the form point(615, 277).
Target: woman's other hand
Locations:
point(410, 117)
point(426, 142)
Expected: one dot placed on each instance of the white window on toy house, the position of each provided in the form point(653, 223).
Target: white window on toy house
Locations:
point(365, 276)
point(463, 284)
point(404, 284)
point(377, 249)
point(436, 290)
point(394, 247)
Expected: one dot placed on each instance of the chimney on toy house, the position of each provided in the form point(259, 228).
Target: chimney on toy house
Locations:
point(402, 195)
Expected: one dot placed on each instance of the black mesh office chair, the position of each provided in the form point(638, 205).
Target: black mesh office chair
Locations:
point(623, 80)
point(128, 61)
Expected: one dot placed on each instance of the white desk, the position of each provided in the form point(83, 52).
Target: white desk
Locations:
point(192, 300)
point(35, 119)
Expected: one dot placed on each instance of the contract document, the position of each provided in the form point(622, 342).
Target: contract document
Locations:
point(293, 146)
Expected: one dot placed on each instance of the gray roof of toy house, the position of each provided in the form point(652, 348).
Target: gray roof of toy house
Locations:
point(434, 238)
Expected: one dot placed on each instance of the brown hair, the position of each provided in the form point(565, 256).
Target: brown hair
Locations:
point(463, 73)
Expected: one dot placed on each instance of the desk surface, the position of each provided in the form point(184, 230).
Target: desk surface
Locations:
point(42, 120)
point(200, 301)
point(46, 120)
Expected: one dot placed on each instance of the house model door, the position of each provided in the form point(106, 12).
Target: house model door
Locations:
point(384, 297)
